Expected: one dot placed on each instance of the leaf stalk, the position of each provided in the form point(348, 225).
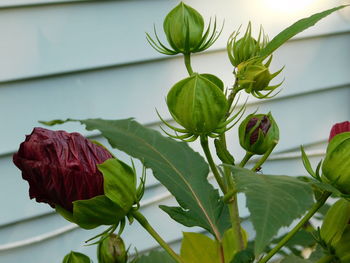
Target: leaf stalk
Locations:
point(146, 225)
point(302, 222)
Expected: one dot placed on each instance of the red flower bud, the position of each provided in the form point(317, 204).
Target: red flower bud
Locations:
point(264, 126)
point(60, 167)
point(339, 128)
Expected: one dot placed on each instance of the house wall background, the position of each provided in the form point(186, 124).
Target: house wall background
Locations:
point(87, 59)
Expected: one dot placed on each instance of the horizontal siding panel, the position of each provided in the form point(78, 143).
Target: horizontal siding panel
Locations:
point(301, 127)
point(136, 90)
point(21, 3)
point(62, 38)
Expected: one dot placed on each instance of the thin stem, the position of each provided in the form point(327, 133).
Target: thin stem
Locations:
point(326, 259)
point(144, 222)
point(302, 222)
point(265, 156)
point(187, 58)
point(205, 146)
point(246, 158)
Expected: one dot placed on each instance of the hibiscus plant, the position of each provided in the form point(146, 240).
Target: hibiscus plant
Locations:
point(89, 186)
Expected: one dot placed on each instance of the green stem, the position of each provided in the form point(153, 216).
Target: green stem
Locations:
point(232, 202)
point(144, 222)
point(205, 146)
point(326, 259)
point(246, 158)
point(187, 58)
point(265, 156)
point(302, 222)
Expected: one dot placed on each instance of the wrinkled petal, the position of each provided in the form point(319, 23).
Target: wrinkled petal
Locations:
point(60, 167)
point(339, 128)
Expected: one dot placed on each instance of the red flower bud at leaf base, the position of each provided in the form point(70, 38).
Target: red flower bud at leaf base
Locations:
point(112, 250)
point(258, 133)
point(62, 170)
point(76, 257)
point(336, 166)
point(198, 104)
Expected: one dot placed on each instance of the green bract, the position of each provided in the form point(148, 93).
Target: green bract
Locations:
point(258, 133)
point(336, 166)
point(254, 77)
point(335, 222)
point(197, 104)
point(245, 48)
point(184, 30)
point(112, 250)
point(110, 208)
point(76, 257)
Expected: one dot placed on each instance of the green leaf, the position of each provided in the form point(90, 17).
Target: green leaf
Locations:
point(76, 257)
point(156, 256)
point(181, 170)
point(198, 248)
point(96, 211)
point(294, 29)
point(273, 202)
point(119, 183)
point(295, 259)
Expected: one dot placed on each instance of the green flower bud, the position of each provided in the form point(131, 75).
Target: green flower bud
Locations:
point(245, 48)
point(197, 104)
point(254, 77)
point(336, 166)
point(258, 133)
point(184, 30)
point(184, 27)
point(342, 248)
point(335, 222)
point(76, 257)
point(112, 250)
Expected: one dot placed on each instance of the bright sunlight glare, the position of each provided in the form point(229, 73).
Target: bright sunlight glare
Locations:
point(288, 6)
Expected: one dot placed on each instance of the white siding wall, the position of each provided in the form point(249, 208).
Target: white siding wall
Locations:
point(83, 59)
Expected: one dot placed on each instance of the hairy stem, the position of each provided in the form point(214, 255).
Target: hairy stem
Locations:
point(232, 202)
point(246, 158)
point(205, 146)
point(146, 225)
point(187, 58)
point(302, 222)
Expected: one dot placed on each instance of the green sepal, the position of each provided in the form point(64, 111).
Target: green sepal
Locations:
point(96, 211)
point(335, 222)
point(65, 213)
point(197, 104)
point(76, 257)
point(218, 82)
point(119, 183)
point(336, 165)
